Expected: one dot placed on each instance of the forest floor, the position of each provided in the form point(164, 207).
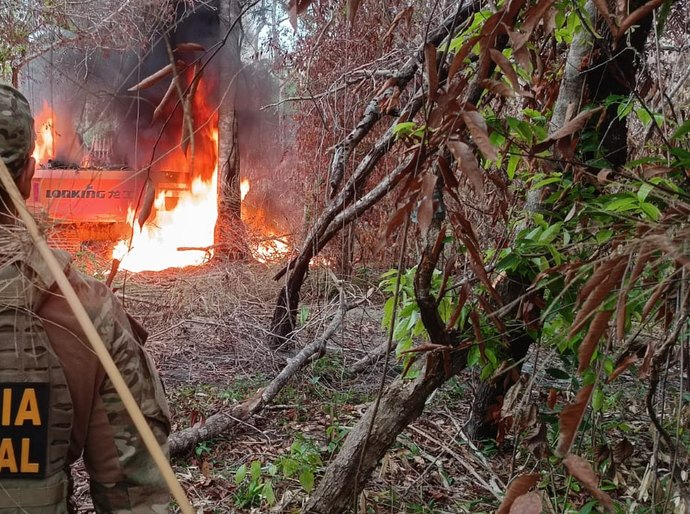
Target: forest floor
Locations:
point(208, 328)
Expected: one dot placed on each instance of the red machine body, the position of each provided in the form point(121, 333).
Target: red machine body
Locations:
point(92, 204)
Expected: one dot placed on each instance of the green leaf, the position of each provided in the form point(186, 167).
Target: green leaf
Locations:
point(473, 356)
point(486, 372)
point(388, 312)
point(597, 400)
point(588, 507)
point(651, 210)
point(609, 366)
point(290, 467)
point(509, 262)
point(644, 191)
point(644, 116)
point(306, 479)
point(404, 128)
point(603, 236)
point(682, 130)
point(491, 356)
point(550, 233)
point(268, 493)
point(624, 108)
point(240, 474)
point(513, 163)
point(545, 182)
point(626, 203)
point(255, 470)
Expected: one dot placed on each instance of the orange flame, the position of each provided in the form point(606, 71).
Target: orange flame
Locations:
point(183, 235)
point(244, 188)
point(44, 149)
point(265, 245)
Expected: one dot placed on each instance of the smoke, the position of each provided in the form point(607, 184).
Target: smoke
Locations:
point(88, 93)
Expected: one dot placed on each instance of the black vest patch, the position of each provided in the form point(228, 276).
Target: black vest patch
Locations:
point(24, 408)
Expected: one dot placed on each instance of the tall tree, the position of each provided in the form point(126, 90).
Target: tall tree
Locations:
point(229, 232)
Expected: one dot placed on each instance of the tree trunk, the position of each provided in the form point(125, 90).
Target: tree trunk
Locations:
point(400, 405)
point(597, 79)
point(230, 238)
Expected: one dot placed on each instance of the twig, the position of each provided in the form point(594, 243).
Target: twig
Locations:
point(370, 358)
point(470, 469)
point(658, 360)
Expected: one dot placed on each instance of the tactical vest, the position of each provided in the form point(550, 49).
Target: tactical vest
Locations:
point(35, 403)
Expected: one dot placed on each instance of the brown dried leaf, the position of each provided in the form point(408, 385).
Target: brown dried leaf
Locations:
point(574, 125)
point(467, 162)
point(477, 329)
point(621, 311)
point(596, 329)
point(570, 419)
point(463, 295)
point(645, 367)
point(538, 443)
point(532, 17)
point(114, 267)
point(461, 55)
point(397, 219)
point(480, 133)
point(552, 398)
point(506, 67)
point(654, 170)
point(431, 71)
point(529, 503)
point(498, 87)
point(654, 298)
point(449, 179)
point(519, 486)
point(582, 471)
point(599, 276)
point(628, 361)
point(603, 175)
point(636, 16)
point(153, 79)
point(528, 417)
point(206, 469)
point(614, 270)
point(447, 272)
point(147, 198)
point(426, 192)
point(405, 14)
point(476, 263)
point(623, 451)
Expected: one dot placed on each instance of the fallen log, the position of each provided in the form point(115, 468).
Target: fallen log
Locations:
point(220, 423)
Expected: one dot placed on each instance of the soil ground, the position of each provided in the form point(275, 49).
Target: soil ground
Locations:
point(207, 331)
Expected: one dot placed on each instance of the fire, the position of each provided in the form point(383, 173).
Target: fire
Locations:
point(244, 188)
point(183, 235)
point(44, 149)
point(266, 245)
point(271, 249)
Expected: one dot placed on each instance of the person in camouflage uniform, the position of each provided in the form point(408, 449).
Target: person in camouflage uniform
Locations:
point(123, 476)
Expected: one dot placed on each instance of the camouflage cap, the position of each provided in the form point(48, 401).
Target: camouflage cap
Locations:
point(17, 134)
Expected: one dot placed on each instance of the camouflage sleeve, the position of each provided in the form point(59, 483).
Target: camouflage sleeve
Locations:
point(124, 477)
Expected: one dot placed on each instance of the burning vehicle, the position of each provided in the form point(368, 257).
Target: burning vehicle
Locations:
point(156, 217)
